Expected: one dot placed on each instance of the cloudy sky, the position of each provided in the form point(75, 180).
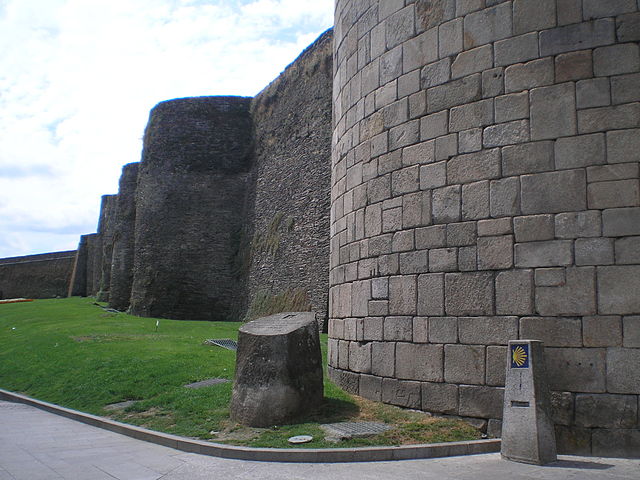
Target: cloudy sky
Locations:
point(78, 78)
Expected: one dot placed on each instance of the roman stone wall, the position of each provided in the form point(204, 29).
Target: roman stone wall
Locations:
point(189, 203)
point(124, 239)
point(288, 201)
point(36, 276)
point(485, 188)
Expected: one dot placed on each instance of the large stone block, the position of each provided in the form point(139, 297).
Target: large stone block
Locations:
point(440, 398)
point(383, 358)
point(450, 38)
point(443, 260)
point(553, 331)
point(401, 392)
point(571, 440)
point(628, 27)
point(576, 369)
point(619, 193)
point(616, 443)
point(472, 61)
point(420, 330)
point(578, 224)
point(370, 387)
point(611, 8)
point(420, 50)
point(612, 172)
point(443, 330)
point(609, 118)
point(431, 294)
point(543, 254)
point(487, 25)
point(562, 408)
point(602, 331)
point(278, 370)
point(454, 93)
point(623, 375)
point(616, 59)
point(482, 402)
point(495, 253)
point(419, 362)
point(472, 115)
point(348, 381)
point(514, 292)
point(360, 357)
point(606, 411)
point(580, 151)
point(475, 200)
point(461, 234)
point(508, 133)
point(496, 365)
point(554, 192)
point(414, 262)
point(631, 331)
point(578, 36)
point(464, 364)
point(446, 204)
point(533, 228)
point(618, 288)
point(475, 166)
point(594, 251)
point(516, 49)
point(529, 16)
point(525, 76)
point(402, 295)
point(398, 328)
point(594, 92)
point(619, 222)
point(487, 330)
point(469, 293)
point(553, 111)
point(514, 106)
point(497, 226)
point(574, 66)
point(576, 297)
point(436, 73)
point(504, 197)
point(527, 158)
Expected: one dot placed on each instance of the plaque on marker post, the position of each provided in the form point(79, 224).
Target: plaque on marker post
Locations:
point(527, 429)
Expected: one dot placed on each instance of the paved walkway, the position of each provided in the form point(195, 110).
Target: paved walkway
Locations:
point(37, 445)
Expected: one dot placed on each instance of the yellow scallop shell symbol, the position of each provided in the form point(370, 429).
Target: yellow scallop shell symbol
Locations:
point(519, 356)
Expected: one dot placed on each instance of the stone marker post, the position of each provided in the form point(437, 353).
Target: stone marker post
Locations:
point(278, 370)
point(527, 429)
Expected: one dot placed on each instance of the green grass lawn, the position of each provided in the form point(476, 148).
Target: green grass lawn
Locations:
point(73, 353)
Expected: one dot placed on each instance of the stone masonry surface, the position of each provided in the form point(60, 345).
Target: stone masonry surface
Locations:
point(485, 188)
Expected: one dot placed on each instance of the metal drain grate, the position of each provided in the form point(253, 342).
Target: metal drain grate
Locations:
point(346, 430)
point(207, 383)
point(223, 342)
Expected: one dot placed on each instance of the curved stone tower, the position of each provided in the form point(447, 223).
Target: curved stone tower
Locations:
point(190, 197)
point(485, 188)
point(124, 239)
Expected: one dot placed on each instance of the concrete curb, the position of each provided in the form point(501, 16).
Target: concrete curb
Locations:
point(295, 455)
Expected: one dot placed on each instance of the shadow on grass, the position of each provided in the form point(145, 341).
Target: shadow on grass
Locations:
point(334, 410)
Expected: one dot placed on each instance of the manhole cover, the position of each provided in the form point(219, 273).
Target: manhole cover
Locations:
point(207, 383)
point(300, 439)
point(345, 430)
point(119, 405)
point(223, 342)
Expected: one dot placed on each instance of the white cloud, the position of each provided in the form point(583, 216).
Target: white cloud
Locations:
point(78, 78)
